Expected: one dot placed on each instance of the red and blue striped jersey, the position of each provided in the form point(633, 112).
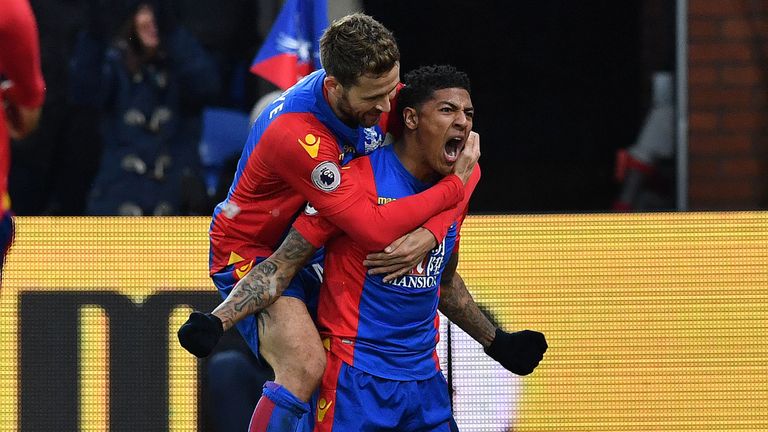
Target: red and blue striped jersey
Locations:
point(386, 329)
point(293, 155)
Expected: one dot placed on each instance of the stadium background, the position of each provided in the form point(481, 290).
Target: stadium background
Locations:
point(656, 322)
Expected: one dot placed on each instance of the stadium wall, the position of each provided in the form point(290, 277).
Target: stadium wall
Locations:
point(728, 104)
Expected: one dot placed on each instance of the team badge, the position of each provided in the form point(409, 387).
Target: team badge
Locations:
point(326, 176)
point(372, 139)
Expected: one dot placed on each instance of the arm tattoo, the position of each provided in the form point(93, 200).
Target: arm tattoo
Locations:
point(457, 304)
point(266, 281)
point(295, 248)
point(255, 287)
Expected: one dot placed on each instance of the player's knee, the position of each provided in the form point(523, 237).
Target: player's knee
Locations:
point(302, 372)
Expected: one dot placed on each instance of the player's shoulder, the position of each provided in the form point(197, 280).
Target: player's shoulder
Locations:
point(362, 162)
point(304, 129)
point(296, 123)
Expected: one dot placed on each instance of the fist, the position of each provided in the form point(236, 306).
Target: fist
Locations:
point(200, 334)
point(518, 352)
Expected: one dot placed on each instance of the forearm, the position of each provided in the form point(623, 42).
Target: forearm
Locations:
point(457, 304)
point(374, 227)
point(266, 281)
point(439, 224)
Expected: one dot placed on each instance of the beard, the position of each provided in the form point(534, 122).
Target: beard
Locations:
point(353, 119)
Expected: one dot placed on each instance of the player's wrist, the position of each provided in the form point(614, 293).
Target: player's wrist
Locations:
point(487, 339)
point(218, 323)
point(464, 176)
point(494, 348)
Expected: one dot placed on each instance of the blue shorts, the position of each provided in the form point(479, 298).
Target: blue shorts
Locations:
point(304, 286)
point(7, 232)
point(352, 400)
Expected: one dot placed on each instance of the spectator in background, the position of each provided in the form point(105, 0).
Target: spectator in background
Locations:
point(151, 84)
point(231, 32)
point(22, 94)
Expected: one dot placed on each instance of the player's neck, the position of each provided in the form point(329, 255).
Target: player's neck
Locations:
point(406, 149)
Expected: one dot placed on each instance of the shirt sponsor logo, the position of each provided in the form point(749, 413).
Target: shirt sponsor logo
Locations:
point(326, 176)
point(311, 144)
point(426, 274)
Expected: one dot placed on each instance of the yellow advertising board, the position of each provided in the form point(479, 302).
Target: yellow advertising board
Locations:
point(655, 322)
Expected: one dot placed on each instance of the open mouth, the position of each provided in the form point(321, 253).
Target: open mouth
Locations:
point(452, 149)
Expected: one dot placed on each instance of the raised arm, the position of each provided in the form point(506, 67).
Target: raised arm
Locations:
point(338, 193)
point(406, 252)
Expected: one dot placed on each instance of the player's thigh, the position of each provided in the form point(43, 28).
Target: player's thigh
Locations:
point(353, 400)
point(289, 338)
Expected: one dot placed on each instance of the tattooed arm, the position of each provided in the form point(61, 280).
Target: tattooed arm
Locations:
point(457, 304)
point(266, 281)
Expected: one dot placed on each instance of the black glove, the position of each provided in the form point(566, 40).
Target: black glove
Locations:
point(518, 352)
point(200, 333)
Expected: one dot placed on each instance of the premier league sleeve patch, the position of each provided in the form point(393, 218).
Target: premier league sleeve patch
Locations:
point(326, 176)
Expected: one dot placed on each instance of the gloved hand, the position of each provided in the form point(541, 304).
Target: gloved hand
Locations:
point(518, 352)
point(200, 334)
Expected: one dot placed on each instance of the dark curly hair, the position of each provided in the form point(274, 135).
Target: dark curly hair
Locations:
point(421, 83)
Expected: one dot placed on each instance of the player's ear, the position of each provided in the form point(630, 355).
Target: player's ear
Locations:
point(332, 85)
point(410, 118)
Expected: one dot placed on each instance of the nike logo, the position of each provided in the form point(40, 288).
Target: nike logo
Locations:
point(322, 408)
point(312, 145)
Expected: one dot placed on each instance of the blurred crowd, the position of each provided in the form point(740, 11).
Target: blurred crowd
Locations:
point(139, 93)
point(129, 84)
